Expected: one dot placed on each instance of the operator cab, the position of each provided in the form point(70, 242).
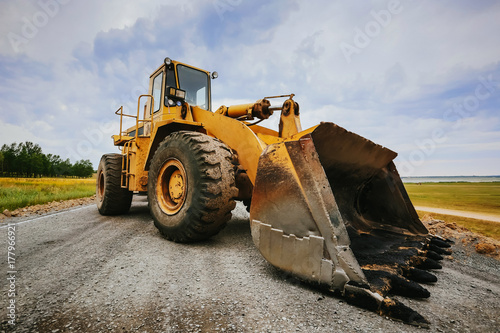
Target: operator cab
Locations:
point(172, 85)
point(183, 84)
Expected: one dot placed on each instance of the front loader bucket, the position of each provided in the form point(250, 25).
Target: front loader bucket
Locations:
point(330, 208)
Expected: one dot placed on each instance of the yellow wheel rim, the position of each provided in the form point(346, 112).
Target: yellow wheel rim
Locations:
point(171, 187)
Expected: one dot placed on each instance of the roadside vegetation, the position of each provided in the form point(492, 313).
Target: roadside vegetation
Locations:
point(27, 160)
point(471, 197)
point(21, 192)
point(485, 228)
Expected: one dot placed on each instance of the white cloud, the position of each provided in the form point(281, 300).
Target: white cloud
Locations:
point(69, 23)
point(94, 56)
point(13, 133)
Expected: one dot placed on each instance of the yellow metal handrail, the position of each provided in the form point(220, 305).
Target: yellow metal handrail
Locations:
point(124, 181)
point(125, 159)
point(137, 117)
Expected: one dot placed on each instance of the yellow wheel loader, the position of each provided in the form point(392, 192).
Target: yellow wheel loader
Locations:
point(326, 205)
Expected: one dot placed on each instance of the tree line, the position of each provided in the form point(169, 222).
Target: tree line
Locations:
point(27, 160)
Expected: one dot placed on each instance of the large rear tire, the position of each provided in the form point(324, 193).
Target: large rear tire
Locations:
point(191, 186)
point(111, 198)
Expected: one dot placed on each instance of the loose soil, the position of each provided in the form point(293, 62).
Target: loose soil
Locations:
point(46, 208)
point(78, 271)
point(481, 244)
point(472, 241)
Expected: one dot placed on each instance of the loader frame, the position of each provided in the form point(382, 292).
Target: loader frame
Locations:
point(326, 204)
point(150, 129)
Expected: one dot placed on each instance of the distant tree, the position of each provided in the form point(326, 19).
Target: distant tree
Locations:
point(83, 169)
point(10, 158)
point(1, 161)
point(65, 168)
point(46, 165)
point(54, 165)
point(27, 160)
point(32, 158)
point(22, 160)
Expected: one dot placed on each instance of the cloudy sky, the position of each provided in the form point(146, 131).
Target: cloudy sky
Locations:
point(420, 77)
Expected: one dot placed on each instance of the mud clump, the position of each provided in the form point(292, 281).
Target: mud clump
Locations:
point(452, 226)
point(485, 248)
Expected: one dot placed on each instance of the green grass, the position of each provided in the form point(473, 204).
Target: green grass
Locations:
point(472, 197)
point(21, 192)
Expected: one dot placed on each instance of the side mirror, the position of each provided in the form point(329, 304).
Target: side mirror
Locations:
point(215, 75)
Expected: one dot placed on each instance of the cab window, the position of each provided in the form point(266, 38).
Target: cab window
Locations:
point(196, 84)
point(157, 83)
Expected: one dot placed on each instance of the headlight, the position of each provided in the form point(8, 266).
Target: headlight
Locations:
point(180, 93)
point(176, 93)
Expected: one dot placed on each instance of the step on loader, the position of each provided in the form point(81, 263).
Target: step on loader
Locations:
point(326, 205)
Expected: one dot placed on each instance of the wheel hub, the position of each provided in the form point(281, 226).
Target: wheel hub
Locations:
point(176, 186)
point(171, 187)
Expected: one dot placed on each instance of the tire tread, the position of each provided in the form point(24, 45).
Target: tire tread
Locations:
point(218, 189)
point(116, 200)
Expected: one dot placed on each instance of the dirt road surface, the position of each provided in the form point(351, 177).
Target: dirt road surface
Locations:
point(454, 212)
point(78, 271)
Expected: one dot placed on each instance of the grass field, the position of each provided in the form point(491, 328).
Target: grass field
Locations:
point(21, 192)
point(474, 197)
point(471, 197)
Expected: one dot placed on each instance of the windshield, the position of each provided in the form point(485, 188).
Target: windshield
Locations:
point(195, 83)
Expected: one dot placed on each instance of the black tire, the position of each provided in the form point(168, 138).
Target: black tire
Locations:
point(111, 198)
point(191, 186)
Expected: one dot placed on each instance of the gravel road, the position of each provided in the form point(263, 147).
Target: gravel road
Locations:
point(78, 271)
